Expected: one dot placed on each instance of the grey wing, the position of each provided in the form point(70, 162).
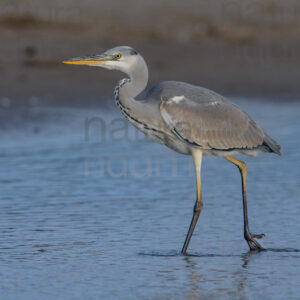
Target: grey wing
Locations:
point(210, 122)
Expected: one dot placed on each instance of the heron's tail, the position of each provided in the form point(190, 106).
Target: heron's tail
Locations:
point(269, 145)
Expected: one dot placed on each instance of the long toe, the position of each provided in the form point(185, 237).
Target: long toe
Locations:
point(258, 236)
point(254, 245)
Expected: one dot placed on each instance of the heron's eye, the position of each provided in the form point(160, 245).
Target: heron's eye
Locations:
point(118, 56)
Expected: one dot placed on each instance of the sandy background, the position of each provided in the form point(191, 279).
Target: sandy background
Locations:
point(238, 48)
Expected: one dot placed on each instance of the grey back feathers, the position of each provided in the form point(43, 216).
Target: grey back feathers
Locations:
point(208, 120)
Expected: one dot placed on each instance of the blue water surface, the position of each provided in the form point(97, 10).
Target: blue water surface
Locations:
point(91, 209)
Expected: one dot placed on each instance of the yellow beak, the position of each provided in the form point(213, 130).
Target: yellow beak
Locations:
point(92, 60)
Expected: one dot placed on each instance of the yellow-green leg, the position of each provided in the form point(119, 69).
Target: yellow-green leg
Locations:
point(197, 155)
point(250, 238)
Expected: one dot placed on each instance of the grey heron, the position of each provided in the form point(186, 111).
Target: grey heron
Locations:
point(189, 119)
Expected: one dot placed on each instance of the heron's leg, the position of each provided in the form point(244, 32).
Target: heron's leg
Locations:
point(250, 238)
point(197, 155)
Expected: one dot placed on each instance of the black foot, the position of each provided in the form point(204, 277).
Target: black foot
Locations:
point(254, 245)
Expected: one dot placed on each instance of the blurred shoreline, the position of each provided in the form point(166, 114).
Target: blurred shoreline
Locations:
point(236, 49)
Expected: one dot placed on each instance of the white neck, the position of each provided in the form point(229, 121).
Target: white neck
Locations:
point(137, 82)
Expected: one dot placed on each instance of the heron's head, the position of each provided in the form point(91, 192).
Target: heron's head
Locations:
point(122, 58)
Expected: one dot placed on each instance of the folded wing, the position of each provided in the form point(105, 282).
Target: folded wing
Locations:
point(212, 123)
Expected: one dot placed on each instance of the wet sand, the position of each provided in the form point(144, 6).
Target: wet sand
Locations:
point(235, 49)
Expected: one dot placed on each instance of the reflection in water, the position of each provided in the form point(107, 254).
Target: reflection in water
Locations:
point(239, 278)
point(197, 281)
point(241, 275)
point(194, 278)
point(239, 287)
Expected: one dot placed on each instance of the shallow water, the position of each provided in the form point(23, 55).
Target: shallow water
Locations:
point(88, 217)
